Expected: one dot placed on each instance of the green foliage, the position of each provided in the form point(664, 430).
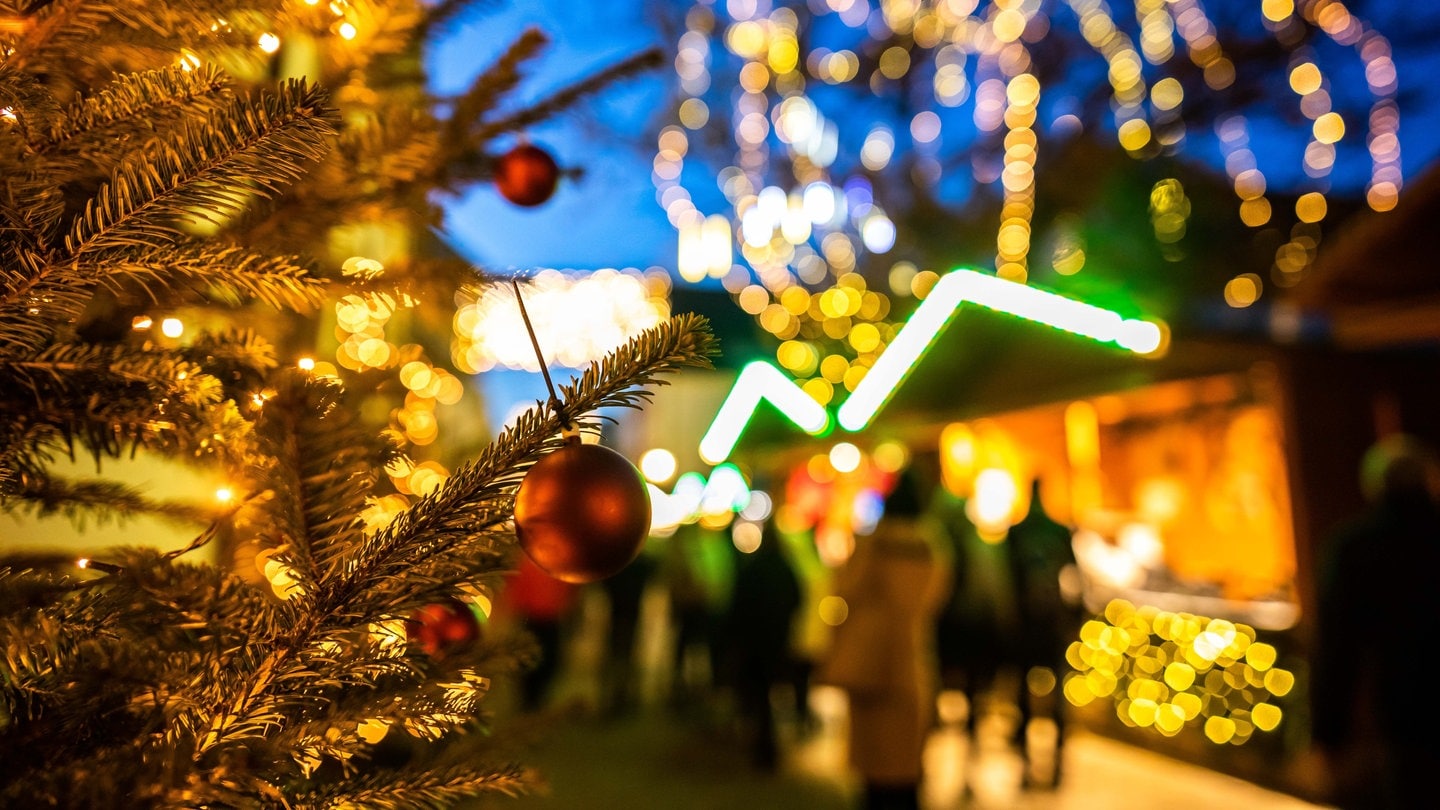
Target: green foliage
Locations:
point(148, 679)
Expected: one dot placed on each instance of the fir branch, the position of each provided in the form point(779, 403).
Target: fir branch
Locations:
point(223, 274)
point(439, 15)
point(114, 397)
point(31, 204)
point(424, 790)
point(323, 469)
point(241, 359)
point(28, 100)
point(131, 110)
point(566, 97)
point(471, 107)
point(54, 27)
point(100, 500)
point(476, 498)
point(252, 149)
point(38, 297)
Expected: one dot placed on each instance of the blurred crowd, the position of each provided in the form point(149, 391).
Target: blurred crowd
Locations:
point(734, 634)
point(743, 629)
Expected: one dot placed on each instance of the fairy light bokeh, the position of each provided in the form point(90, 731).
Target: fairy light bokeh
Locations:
point(577, 318)
point(1172, 671)
point(812, 236)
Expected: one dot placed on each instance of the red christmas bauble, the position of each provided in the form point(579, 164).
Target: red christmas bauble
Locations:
point(582, 512)
point(526, 175)
point(443, 627)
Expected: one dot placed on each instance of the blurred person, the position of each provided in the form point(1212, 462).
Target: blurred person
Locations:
point(809, 634)
point(761, 615)
point(977, 622)
point(1379, 604)
point(619, 690)
point(544, 606)
point(698, 571)
point(901, 573)
point(1041, 556)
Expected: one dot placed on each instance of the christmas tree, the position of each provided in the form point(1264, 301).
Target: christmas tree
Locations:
point(155, 156)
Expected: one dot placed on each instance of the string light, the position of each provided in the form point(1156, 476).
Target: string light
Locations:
point(582, 316)
point(977, 53)
point(1168, 671)
point(968, 286)
point(759, 381)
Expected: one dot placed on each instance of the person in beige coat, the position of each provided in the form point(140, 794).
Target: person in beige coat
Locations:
point(900, 571)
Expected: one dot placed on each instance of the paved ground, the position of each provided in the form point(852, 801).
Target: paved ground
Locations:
point(659, 758)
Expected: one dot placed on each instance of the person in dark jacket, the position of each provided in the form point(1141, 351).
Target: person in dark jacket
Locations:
point(1379, 608)
point(765, 598)
point(1040, 554)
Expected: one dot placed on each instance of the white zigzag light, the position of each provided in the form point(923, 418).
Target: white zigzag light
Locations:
point(760, 380)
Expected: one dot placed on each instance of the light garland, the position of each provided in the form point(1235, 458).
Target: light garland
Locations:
point(800, 223)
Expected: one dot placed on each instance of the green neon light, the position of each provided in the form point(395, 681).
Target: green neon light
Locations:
point(759, 381)
point(961, 286)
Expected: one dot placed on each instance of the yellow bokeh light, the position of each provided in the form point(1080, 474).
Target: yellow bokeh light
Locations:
point(1305, 78)
point(754, 77)
point(1077, 691)
point(820, 390)
point(658, 465)
point(1260, 656)
point(890, 457)
point(1143, 711)
point(1023, 90)
point(894, 62)
point(1134, 135)
point(1243, 290)
point(923, 282)
point(833, 610)
point(1310, 207)
point(1265, 716)
point(1180, 676)
point(1169, 717)
point(1008, 25)
point(746, 39)
point(784, 55)
point(1256, 212)
point(1279, 681)
point(1220, 730)
point(865, 337)
point(753, 299)
point(1167, 94)
point(1329, 128)
point(1277, 10)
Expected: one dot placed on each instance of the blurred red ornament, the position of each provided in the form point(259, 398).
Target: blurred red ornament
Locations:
point(443, 628)
point(526, 175)
point(582, 512)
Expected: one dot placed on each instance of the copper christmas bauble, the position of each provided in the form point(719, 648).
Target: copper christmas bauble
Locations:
point(526, 175)
point(582, 512)
point(443, 627)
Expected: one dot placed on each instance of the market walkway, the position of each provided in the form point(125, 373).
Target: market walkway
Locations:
point(655, 759)
point(692, 757)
